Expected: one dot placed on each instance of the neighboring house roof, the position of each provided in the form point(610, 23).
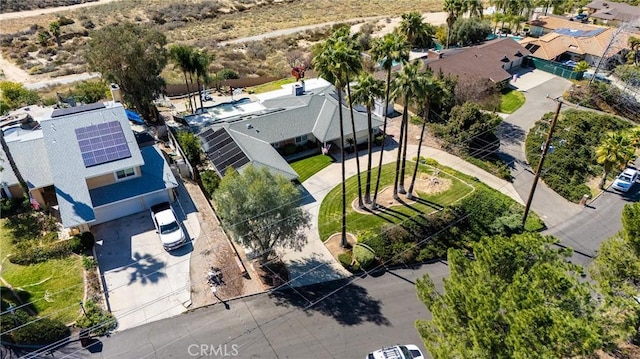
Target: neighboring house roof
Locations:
point(155, 176)
point(609, 10)
point(27, 154)
point(66, 162)
point(485, 60)
point(582, 39)
point(552, 22)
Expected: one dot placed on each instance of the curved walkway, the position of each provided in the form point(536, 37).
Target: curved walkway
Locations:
point(314, 263)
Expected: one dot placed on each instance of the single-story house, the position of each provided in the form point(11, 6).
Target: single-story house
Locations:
point(84, 164)
point(569, 40)
point(612, 13)
point(491, 60)
point(301, 114)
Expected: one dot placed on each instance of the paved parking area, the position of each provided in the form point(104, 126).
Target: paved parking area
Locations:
point(143, 282)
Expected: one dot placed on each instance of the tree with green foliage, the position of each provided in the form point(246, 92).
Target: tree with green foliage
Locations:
point(261, 208)
point(201, 62)
point(54, 29)
point(634, 44)
point(366, 92)
point(133, 56)
point(21, 328)
point(581, 66)
point(210, 181)
point(15, 95)
point(387, 50)
point(516, 297)
point(91, 91)
point(469, 31)
point(418, 33)
point(470, 130)
point(616, 269)
point(615, 151)
point(97, 320)
point(190, 145)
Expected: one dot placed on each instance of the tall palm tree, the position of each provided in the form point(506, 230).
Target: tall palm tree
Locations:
point(387, 50)
point(365, 92)
point(418, 33)
point(181, 56)
point(201, 61)
point(474, 7)
point(406, 83)
point(429, 91)
point(615, 151)
point(634, 44)
point(327, 62)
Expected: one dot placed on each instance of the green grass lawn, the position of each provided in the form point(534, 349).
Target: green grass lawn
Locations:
point(329, 219)
point(311, 165)
point(270, 86)
point(55, 287)
point(511, 100)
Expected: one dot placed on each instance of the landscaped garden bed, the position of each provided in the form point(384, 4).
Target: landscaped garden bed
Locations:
point(423, 229)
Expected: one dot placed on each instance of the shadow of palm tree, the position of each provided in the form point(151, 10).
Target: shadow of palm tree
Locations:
point(146, 269)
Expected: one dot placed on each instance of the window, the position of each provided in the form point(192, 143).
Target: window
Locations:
point(122, 174)
point(302, 138)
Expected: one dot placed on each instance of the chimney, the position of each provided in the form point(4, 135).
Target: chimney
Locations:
point(116, 93)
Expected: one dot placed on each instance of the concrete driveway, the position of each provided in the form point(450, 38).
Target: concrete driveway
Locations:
point(143, 282)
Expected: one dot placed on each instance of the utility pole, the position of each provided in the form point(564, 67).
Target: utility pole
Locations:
point(544, 154)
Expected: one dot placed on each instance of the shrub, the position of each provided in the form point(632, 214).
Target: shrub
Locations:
point(97, 320)
point(89, 263)
point(81, 243)
point(32, 254)
point(40, 332)
point(210, 181)
point(363, 255)
point(12, 206)
point(345, 259)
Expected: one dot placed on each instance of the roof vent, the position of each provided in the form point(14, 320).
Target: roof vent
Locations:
point(518, 53)
point(505, 59)
point(249, 126)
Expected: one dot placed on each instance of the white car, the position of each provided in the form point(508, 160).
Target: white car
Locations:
point(625, 180)
point(167, 226)
point(408, 351)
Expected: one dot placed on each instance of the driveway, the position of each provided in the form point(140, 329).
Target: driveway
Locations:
point(143, 282)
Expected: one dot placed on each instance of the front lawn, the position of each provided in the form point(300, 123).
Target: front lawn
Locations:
point(511, 100)
point(270, 86)
point(311, 165)
point(329, 219)
point(55, 287)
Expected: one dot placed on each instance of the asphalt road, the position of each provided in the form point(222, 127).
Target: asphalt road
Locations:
point(600, 220)
point(342, 319)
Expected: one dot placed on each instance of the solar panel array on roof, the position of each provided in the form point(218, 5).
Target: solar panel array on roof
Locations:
point(579, 33)
point(102, 143)
point(78, 109)
point(222, 150)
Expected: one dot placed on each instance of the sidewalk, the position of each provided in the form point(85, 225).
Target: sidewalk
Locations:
point(314, 263)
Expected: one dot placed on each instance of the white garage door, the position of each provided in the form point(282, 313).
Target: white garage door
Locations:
point(117, 210)
point(125, 208)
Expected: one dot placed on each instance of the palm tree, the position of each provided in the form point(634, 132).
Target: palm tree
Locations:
point(405, 84)
point(615, 151)
point(365, 92)
point(418, 33)
point(474, 7)
point(201, 61)
point(181, 56)
point(634, 44)
point(387, 50)
point(454, 10)
point(327, 62)
point(429, 91)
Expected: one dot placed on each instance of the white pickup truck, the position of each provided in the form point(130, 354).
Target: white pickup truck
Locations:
point(167, 226)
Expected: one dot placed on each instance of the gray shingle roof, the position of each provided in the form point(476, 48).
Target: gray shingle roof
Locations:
point(155, 176)
point(28, 156)
point(67, 168)
point(262, 154)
